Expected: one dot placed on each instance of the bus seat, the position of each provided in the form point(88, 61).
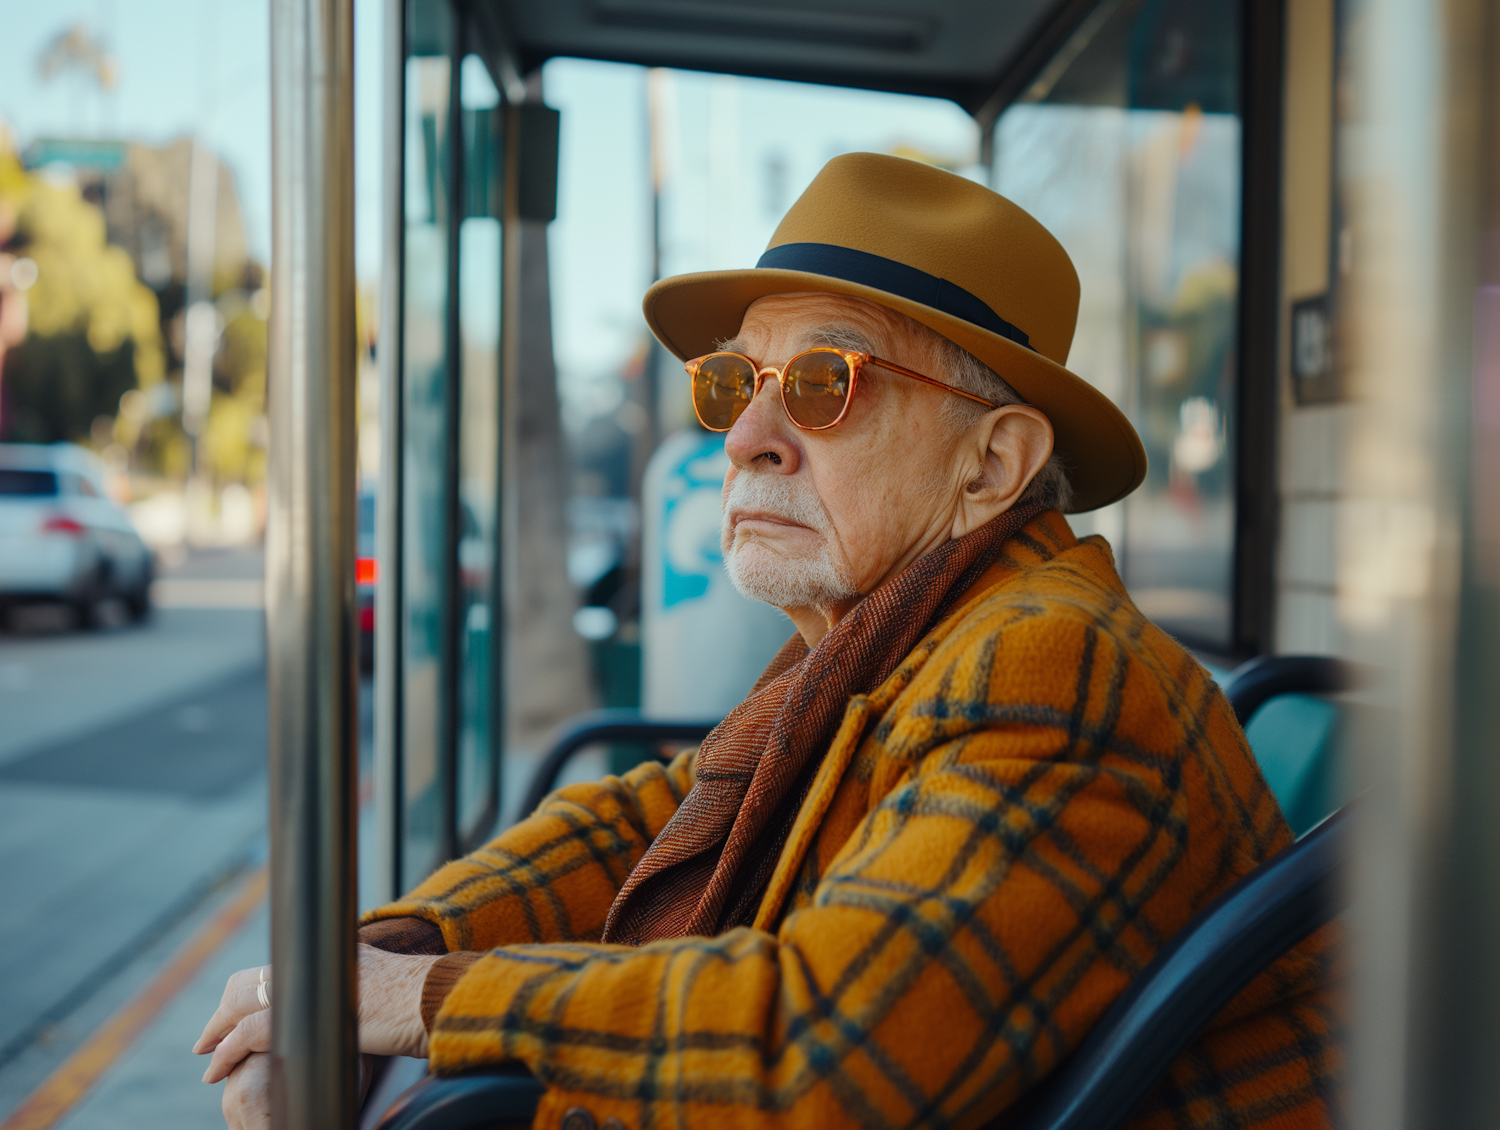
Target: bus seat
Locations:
point(1195, 975)
point(1294, 733)
point(504, 1097)
point(1295, 741)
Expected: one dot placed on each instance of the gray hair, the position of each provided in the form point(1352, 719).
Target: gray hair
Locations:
point(955, 365)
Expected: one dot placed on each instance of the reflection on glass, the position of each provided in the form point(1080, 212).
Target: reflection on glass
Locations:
point(479, 451)
point(423, 388)
point(1132, 159)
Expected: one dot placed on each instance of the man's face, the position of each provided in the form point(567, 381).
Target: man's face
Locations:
point(817, 519)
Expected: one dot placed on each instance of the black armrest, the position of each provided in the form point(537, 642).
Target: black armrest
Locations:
point(1195, 975)
point(499, 1098)
point(1258, 680)
point(606, 726)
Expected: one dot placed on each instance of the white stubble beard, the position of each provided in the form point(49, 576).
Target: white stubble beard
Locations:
point(812, 581)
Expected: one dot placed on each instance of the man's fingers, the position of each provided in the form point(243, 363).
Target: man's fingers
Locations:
point(238, 1001)
point(251, 976)
point(252, 1034)
point(236, 1005)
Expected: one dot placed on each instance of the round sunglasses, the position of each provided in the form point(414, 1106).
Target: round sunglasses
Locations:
point(817, 386)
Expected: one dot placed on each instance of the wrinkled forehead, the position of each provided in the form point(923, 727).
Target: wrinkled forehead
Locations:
point(799, 321)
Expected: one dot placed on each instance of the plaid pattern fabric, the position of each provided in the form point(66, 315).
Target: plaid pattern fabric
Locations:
point(708, 868)
point(997, 840)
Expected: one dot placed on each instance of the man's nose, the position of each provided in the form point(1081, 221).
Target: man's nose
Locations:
point(763, 437)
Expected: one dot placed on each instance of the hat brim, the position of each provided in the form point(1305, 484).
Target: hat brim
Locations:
point(691, 314)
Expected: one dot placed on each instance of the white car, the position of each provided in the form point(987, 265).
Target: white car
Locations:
point(62, 537)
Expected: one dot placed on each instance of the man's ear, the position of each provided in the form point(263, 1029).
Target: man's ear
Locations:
point(1015, 442)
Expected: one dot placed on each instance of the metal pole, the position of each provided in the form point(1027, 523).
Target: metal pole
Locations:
point(450, 663)
point(389, 807)
point(310, 606)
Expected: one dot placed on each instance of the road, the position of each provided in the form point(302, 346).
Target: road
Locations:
point(132, 787)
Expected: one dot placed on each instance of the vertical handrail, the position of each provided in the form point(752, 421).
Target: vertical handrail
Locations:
point(450, 662)
point(390, 517)
point(310, 601)
point(508, 523)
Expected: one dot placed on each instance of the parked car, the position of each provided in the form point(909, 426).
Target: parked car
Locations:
point(62, 538)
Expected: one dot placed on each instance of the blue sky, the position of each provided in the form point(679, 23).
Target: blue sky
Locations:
point(185, 66)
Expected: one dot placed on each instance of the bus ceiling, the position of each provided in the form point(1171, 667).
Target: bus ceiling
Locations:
point(981, 54)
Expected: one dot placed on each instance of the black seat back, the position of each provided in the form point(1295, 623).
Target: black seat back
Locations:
point(1217, 954)
point(1263, 678)
point(500, 1098)
point(1190, 980)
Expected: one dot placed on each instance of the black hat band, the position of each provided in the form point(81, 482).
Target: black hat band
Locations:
point(881, 273)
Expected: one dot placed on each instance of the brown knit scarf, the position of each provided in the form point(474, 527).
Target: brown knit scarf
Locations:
point(707, 870)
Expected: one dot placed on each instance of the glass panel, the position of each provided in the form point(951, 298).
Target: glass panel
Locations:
point(479, 449)
point(424, 570)
point(1131, 157)
point(701, 168)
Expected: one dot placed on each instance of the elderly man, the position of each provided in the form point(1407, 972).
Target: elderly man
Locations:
point(970, 798)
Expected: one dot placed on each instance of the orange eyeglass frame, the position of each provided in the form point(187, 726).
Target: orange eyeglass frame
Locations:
point(855, 359)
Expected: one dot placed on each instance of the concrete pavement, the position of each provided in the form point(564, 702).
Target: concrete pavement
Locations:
point(132, 788)
point(60, 684)
point(132, 802)
point(157, 1084)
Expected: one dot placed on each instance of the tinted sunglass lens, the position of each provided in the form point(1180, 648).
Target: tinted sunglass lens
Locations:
point(817, 388)
point(722, 390)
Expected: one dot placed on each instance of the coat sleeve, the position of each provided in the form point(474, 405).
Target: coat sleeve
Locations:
point(965, 938)
point(552, 876)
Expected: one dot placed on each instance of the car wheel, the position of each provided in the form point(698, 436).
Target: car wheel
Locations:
point(86, 604)
point(86, 613)
point(138, 603)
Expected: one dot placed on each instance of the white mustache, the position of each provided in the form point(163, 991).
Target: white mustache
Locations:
point(786, 497)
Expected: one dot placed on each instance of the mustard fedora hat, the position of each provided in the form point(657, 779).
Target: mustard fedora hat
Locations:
point(949, 253)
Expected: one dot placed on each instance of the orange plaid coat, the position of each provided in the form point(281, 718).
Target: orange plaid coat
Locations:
point(997, 840)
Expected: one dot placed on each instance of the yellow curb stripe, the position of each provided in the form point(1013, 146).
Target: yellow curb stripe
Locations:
point(81, 1070)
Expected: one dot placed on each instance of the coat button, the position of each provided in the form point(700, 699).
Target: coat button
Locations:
point(612, 1124)
point(578, 1118)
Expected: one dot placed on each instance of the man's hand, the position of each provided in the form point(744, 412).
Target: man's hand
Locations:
point(247, 1095)
point(390, 1014)
point(390, 1002)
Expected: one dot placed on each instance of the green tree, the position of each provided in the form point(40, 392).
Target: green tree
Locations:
point(94, 331)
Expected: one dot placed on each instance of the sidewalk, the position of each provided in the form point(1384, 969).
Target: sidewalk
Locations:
point(72, 1042)
point(155, 1084)
point(109, 840)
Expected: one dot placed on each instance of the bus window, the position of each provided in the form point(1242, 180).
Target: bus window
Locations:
point(424, 579)
point(1130, 154)
point(479, 270)
point(707, 165)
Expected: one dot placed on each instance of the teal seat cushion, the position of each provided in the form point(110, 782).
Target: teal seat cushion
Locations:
point(1295, 739)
